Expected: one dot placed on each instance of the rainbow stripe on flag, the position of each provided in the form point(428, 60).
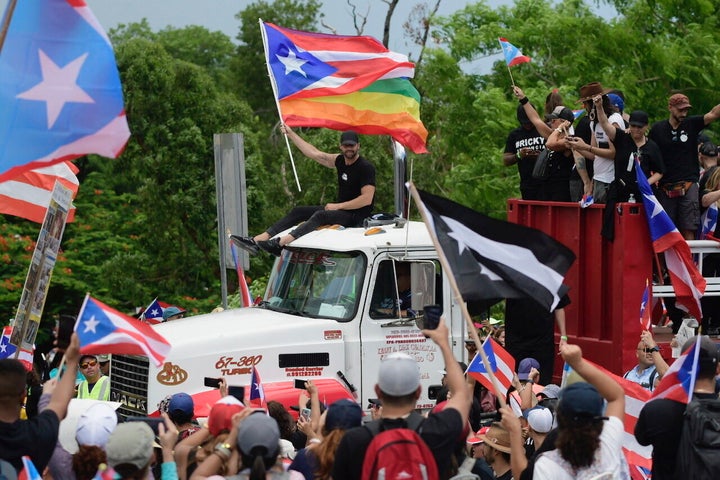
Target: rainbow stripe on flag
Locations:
point(385, 107)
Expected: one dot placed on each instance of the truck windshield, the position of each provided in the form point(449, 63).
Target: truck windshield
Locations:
point(317, 283)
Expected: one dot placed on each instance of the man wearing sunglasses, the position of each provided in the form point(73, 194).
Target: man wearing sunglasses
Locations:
point(651, 366)
point(96, 385)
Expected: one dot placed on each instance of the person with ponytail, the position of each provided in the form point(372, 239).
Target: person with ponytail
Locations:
point(590, 434)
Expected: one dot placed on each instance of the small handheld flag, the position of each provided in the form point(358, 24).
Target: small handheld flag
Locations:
point(257, 393)
point(645, 310)
point(102, 329)
point(513, 55)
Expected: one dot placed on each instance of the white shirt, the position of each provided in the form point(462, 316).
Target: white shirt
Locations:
point(604, 168)
point(609, 461)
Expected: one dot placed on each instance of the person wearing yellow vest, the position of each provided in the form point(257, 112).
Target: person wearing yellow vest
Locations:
point(96, 385)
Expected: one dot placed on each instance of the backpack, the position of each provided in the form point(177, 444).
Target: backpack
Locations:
point(698, 455)
point(651, 381)
point(398, 453)
point(541, 169)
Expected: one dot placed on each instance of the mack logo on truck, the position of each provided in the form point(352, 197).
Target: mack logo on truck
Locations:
point(130, 401)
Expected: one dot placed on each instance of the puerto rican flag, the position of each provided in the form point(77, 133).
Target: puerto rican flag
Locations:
point(708, 222)
point(678, 382)
point(645, 310)
point(257, 392)
point(501, 363)
point(305, 64)
point(153, 314)
point(7, 349)
point(688, 283)
point(513, 56)
point(102, 329)
point(28, 194)
point(59, 88)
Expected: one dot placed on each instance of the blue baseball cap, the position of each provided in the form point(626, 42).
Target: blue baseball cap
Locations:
point(581, 399)
point(181, 402)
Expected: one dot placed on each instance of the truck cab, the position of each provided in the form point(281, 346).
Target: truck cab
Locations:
point(330, 314)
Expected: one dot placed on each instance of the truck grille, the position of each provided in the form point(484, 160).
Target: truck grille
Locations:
point(129, 384)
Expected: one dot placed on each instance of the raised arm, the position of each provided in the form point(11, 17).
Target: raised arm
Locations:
point(65, 389)
point(533, 116)
point(661, 365)
point(712, 115)
point(461, 397)
point(309, 150)
point(606, 386)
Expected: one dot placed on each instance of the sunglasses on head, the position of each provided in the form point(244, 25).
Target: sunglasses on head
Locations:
point(89, 363)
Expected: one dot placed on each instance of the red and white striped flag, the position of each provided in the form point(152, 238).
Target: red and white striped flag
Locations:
point(27, 195)
point(501, 363)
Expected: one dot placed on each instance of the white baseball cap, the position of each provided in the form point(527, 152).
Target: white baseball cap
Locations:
point(399, 375)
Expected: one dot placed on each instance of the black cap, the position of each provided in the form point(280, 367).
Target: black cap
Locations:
point(638, 118)
point(522, 116)
point(563, 113)
point(708, 149)
point(349, 137)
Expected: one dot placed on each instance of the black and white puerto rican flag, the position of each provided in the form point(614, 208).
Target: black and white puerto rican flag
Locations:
point(493, 259)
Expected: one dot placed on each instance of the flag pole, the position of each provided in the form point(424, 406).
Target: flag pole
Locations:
point(277, 101)
point(6, 22)
point(456, 294)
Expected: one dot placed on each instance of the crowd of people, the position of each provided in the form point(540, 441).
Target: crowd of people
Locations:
point(535, 431)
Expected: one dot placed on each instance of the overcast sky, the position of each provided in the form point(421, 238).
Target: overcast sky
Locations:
point(220, 15)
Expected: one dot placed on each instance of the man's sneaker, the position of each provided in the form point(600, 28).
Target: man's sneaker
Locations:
point(246, 243)
point(271, 246)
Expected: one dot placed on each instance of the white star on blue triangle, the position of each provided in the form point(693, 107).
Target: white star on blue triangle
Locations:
point(293, 68)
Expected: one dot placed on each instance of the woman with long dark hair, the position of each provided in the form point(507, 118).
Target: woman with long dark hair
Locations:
point(590, 434)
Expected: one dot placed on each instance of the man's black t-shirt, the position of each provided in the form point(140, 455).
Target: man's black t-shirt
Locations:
point(441, 432)
point(650, 157)
point(523, 138)
point(679, 148)
point(660, 424)
point(351, 180)
point(36, 438)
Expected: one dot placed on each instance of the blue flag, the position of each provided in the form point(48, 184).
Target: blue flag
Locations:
point(59, 88)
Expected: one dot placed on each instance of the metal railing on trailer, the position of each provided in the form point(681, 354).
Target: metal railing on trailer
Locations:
point(699, 249)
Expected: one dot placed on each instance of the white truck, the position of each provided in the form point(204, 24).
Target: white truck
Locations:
point(320, 320)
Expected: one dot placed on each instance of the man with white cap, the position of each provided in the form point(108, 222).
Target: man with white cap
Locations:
point(398, 388)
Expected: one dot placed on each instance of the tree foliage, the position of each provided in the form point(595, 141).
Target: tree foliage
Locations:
point(146, 222)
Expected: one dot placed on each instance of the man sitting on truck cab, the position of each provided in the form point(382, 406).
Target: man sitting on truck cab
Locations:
point(355, 196)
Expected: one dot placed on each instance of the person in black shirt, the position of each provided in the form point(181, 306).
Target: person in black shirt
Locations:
point(356, 193)
point(523, 146)
point(677, 139)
